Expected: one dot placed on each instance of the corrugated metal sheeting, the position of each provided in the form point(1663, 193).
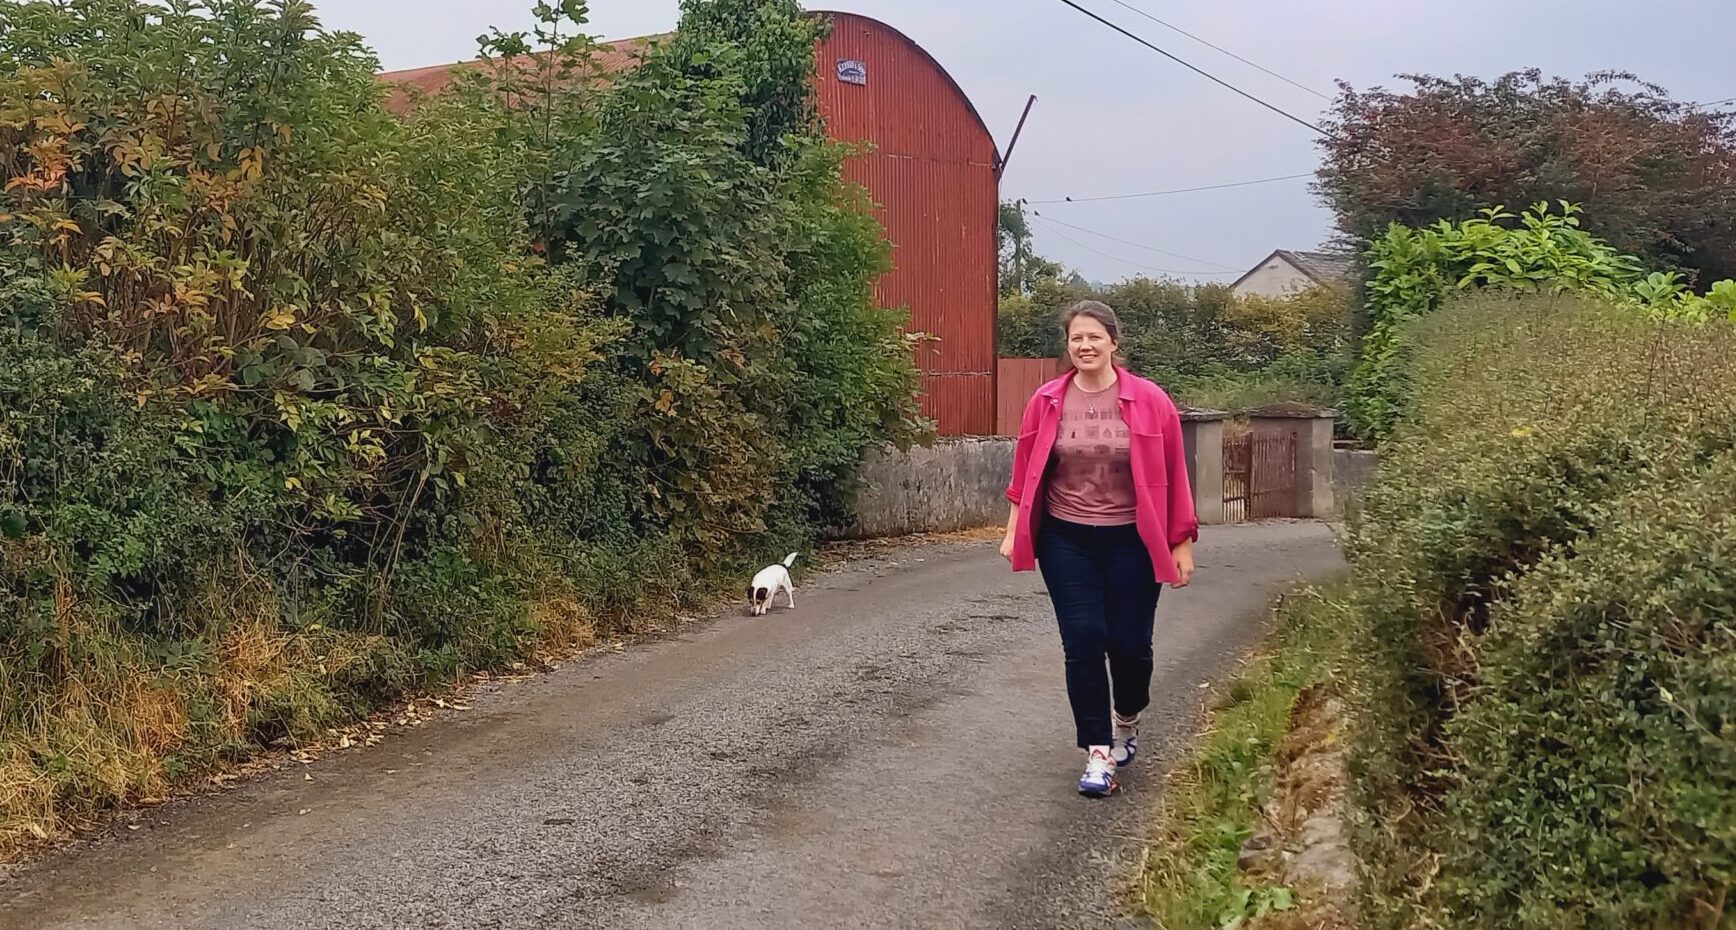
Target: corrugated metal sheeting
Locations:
point(932, 170)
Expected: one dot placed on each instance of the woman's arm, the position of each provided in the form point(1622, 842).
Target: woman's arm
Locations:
point(1184, 524)
point(1022, 451)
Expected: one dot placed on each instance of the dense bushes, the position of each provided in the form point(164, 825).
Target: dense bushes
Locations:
point(1543, 251)
point(302, 405)
point(1547, 624)
point(1204, 344)
point(1201, 342)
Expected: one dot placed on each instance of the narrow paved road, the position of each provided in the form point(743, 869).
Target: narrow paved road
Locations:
point(896, 753)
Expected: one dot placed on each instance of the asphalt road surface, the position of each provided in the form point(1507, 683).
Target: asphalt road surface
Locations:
point(895, 753)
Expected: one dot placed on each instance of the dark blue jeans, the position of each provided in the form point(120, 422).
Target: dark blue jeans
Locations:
point(1105, 596)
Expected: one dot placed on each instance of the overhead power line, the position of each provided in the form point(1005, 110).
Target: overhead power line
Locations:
point(1127, 261)
point(1229, 269)
point(1252, 64)
point(1179, 190)
point(1198, 70)
point(1717, 103)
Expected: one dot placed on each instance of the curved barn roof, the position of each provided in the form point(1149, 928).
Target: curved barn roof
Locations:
point(938, 67)
point(621, 54)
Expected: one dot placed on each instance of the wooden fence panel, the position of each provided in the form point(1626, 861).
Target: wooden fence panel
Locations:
point(1019, 379)
point(1272, 476)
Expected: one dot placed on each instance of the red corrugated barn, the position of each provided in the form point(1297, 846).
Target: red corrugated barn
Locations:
point(934, 171)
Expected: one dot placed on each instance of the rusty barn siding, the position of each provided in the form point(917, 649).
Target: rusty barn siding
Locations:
point(932, 173)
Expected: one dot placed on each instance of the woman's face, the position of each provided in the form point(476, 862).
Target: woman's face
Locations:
point(1089, 345)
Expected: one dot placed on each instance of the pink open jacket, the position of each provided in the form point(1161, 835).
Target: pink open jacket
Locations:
point(1163, 497)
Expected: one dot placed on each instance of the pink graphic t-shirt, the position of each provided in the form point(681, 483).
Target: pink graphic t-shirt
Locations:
point(1091, 474)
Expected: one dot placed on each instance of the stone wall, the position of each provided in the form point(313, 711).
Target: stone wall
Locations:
point(959, 484)
point(955, 484)
point(1203, 440)
point(1352, 472)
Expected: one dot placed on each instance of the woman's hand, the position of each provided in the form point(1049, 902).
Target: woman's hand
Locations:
point(1184, 564)
point(1012, 530)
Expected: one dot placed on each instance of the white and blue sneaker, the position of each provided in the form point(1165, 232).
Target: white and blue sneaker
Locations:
point(1126, 743)
point(1099, 778)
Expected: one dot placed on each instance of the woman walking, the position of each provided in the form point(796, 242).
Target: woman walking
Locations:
point(1101, 502)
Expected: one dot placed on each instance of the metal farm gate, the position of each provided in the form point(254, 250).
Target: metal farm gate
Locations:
point(1259, 476)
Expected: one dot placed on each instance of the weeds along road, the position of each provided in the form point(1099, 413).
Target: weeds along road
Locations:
point(894, 753)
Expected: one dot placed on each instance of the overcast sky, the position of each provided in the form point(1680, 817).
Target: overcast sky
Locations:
point(1114, 118)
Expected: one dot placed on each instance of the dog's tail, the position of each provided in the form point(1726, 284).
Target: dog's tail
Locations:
point(790, 560)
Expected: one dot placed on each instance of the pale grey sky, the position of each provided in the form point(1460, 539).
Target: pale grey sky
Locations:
point(1113, 118)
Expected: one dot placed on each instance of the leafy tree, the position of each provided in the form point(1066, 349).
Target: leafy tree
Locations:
point(1021, 268)
point(768, 46)
point(759, 358)
point(1029, 325)
point(1200, 341)
point(1261, 330)
point(1656, 177)
point(1173, 330)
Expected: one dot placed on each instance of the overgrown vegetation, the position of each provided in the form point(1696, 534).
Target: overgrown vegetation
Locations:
point(1213, 802)
point(303, 406)
point(1206, 346)
point(1545, 624)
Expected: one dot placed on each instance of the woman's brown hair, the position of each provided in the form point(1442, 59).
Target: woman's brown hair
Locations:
point(1094, 309)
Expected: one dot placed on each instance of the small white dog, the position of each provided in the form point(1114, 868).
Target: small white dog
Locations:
point(768, 583)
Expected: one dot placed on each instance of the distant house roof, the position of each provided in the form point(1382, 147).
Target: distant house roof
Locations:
point(1323, 267)
point(611, 58)
point(1319, 267)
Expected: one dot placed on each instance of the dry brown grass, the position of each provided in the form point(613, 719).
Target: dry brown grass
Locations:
point(98, 740)
point(565, 624)
point(110, 734)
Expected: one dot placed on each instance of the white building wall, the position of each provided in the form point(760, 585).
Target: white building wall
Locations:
point(1276, 278)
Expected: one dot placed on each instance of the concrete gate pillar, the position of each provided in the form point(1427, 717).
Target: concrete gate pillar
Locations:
point(1203, 437)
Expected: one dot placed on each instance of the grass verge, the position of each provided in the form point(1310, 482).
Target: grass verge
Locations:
point(1212, 802)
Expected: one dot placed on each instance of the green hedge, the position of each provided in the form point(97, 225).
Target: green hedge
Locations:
point(1548, 625)
point(1206, 347)
point(1540, 251)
